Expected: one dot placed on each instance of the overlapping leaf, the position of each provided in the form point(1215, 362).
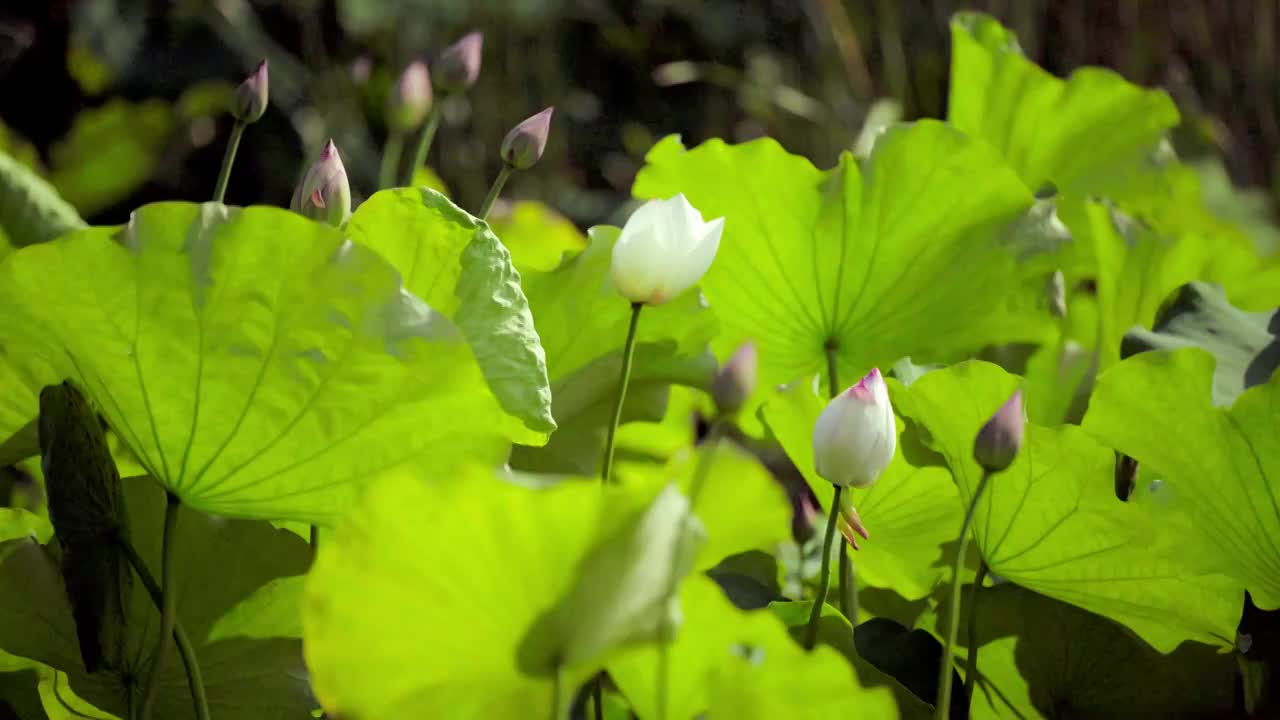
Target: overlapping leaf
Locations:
point(218, 562)
point(256, 363)
point(1051, 522)
point(906, 255)
point(1220, 467)
point(909, 513)
point(456, 265)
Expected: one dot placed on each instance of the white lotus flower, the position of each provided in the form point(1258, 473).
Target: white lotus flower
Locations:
point(855, 437)
point(664, 249)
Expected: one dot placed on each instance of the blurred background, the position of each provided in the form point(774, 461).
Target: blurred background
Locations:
point(122, 102)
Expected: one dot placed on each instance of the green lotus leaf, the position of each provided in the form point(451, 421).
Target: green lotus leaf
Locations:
point(1051, 521)
point(31, 210)
point(272, 611)
point(537, 236)
point(456, 265)
point(218, 562)
point(257, 364)
point(910, 512)
point(907, 254)
point(1219, 467)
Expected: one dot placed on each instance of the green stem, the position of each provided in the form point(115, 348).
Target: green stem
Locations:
point(824, 578)
point(185, 649)
point(700, 473)
point(494, 190)
point(597, 696)
point(944, 669)
point(228, 159)
point(391, 153)
point(628, 351)
point(971, 677)
point(425, 137)
point(555, 693)
point(168, 605)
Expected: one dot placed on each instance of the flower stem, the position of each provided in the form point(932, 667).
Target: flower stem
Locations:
point(824, 578)
point(185, 649)
point(391, 153)
point(628, 351)
point(168, 605)
point(425, 137)
point(555, 693)
point(597, 696)
point(494, 190)
point(942, 708)
point(228, 159)
point(971, 677)
point(711, 445)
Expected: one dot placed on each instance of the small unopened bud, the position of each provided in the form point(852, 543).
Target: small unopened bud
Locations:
point(250, 100)
point(805, 513)
point(1000, 439)
point(735, 382)
point(410, 98)
point(523, 146)
point(459, 64)
point(324, 193)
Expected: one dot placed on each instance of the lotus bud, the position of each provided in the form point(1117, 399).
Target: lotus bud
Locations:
point(856, 435)
point(849, 523)
point(805, 512)
point(324, 193)
point(459, 64)
point(250, 100)
point(664, 249)
point(411, 98)
point(523, 146)
point(1000, 439)
point(734, 383)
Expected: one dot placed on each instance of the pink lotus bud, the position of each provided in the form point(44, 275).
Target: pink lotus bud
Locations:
point(855, 437)
point(411, 98)
point(250, 100)
point(324, 193)
point(734, 383)
point(1000, 439)
point(459, 64)
point(523, 146)
point(664, 249)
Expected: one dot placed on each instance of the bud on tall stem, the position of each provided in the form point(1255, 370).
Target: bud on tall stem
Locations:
point(324, 193)
point(250, 100)
point(459, 65)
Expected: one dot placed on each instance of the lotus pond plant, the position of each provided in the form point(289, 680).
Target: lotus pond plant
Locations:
point(377, 455)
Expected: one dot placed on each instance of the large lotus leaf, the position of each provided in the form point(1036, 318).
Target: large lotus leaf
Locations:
point(1051, 521)
point(218, 562)
point(456, 265)
point(905, 255)
point(909, 513)
point(731, 663)
point(442, 597)
point(1137, 270)
point(1246, 345)
point(1039, 657)
point(582, 320)
point(1220, 467)
point(256, 363)
point(537, 236)
point(1072, 132)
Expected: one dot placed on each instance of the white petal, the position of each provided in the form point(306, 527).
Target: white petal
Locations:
point(638, 267)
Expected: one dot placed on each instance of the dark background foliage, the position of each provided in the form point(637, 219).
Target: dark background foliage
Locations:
point(621, 75)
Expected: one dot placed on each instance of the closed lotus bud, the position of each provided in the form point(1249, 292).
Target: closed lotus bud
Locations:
point(523, 146)
point(664, 249)
point(324, 193)
point(734, 383)
point(410, 98)
point(250, 100)
point(856, 435)
point(1000, 439)
point(459, 64)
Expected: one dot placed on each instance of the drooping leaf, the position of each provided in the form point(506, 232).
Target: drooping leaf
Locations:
point(218, 562)
point(1051, 521)
point(256, 363)
point(1039, 657)
point(1220, 467)
point(1245, 345)
point(906, 255)
point(909, 513)
point(31, 210)
point(457, 265)
point(730, 663)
